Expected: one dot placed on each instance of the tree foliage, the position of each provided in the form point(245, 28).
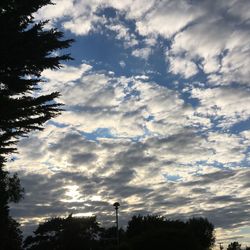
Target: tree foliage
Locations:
point(10, 191)
point(203, 231)
point(143, 233)
point(156, 232)
point(234, 246)
point(26, 49)
point(75, 233)
point(11, 236)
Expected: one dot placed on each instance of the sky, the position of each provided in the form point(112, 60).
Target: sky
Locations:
point(156, 115)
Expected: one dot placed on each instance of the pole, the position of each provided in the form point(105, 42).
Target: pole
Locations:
point(117, 226)
point(221, 246)
point(116, 205)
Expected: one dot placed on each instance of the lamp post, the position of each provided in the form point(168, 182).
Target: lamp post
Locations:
point(221, 246)
point(116, 205)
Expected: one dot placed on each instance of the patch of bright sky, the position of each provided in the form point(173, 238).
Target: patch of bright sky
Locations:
point(172, 178)
point(98, 133)
point(72, 194)
point(240, 126)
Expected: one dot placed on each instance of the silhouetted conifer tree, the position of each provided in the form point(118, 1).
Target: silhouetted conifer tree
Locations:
point(25, 51)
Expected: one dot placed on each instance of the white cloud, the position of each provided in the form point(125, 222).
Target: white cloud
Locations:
point(66, 73)
point(135, 107)
point(182, 66)
point(80, 26)
point(132, 8)
point(167, 18)
point(218, 44)
point(142, 53)
point(228, 104)
point(122, 64)
point(60, 10)
point(96, 100)
point(123, 33)
point(215, 34)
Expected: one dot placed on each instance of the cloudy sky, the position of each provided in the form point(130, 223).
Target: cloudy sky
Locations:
point(156, 116)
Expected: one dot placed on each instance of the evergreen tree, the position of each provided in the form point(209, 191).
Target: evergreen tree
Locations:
point(26, 49)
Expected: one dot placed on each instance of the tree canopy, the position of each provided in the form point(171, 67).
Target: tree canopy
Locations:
point(26, 49)
point(234, 246)
point(156, 232)
point(65, 233)
point(143, 233)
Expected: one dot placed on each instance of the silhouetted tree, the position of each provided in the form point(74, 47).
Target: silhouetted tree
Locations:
point(25, 51)
point(155, 232)
point(203, 231)
point(11, 236)
point(74, 233)
point(10, 191)
point(234, 246)
point(108, 239)
point(143, 233)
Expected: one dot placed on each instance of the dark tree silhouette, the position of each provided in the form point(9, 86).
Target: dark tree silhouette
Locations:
point(25, 51)
point(234, 246)
point(203, 231)
point(11, 238)
point(74, 233)
point(143, 233)
point(155, 232)
point(108, 239)
point(10, 191)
